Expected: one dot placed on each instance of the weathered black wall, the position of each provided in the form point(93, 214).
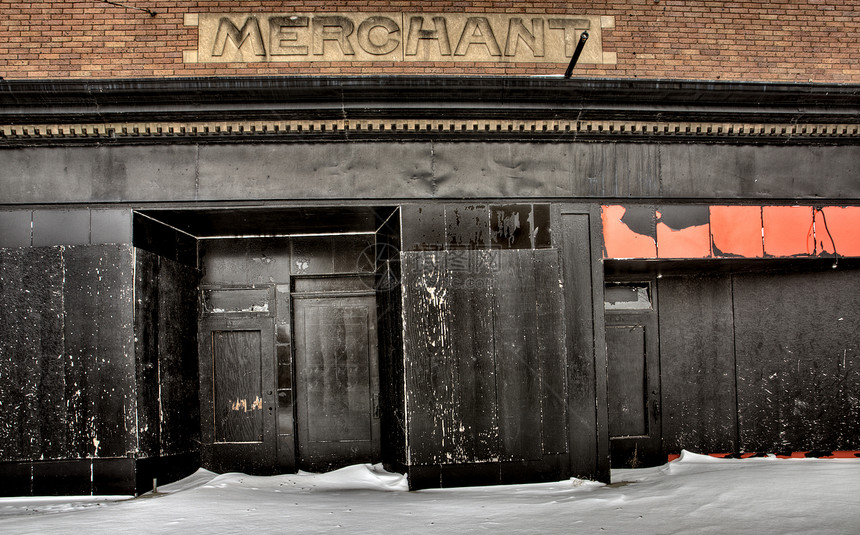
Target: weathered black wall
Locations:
point(760, 362)
point(166, 368)
point(797, 343)
point(66, 343)
point(697, 363)
point(362, 170)
point(483, 346)
point(390, 331)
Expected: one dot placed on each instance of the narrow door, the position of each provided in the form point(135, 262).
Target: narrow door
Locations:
point(237, 394)
point(337, 387)
point(633, 377)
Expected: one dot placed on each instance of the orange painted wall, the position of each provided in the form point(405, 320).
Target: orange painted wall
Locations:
point(740, 231)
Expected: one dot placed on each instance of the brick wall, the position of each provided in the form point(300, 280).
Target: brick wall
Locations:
point(775, 40)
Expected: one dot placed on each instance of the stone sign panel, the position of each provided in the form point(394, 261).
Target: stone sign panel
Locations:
point(362, 37)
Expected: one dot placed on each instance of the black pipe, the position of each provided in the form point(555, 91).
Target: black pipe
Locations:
point(579, 46)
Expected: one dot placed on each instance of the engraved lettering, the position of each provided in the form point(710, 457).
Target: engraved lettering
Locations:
point(532, 39)
point(361, 36)
point(283, 36)
point(572, 29)
point(332, 28)
point(439, 33)
point(366, 35)
point(477, 32)
point(250, 32)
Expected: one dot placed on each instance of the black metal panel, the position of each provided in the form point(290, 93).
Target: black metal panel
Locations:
point(112, 371)
point(551, 349)
point(391, 367)
point(61, 227)
point(511, 226)
point(113, 476)
point(467, 226)
point(12, 335)
point(518, 363)
point(697, 363)
point(354, 253)
point(426, 351)
point(222, 98)
point(17, 479)
point(155, 237)
point(81, 386)
point(30, 347)
point(627, 380)
point(797, 346)
point(423, 226)
point(249, 262)
point(58, 478)
point(177, 358)
point(146, 333)
point(471, 427)
point(583, 282)
point(15, 228)
point(464, 170)
point(256, 221)
point(110, 226)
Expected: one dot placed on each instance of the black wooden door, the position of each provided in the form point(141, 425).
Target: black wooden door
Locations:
point(237, 394)
point(337, 387)
point(633, 389)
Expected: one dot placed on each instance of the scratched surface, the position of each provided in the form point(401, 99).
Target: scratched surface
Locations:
point(238, 386)
point(479, 357)
point(67, 350)
point(798, 356)
point(697, 359)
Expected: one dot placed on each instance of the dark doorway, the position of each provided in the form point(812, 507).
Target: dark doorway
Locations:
point(238, 418)
point(633, 374)
point(337, 391)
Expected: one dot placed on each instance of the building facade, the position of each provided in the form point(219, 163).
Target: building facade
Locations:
point(263, 237)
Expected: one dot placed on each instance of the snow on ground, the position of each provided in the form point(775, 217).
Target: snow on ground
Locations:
point(695, 494)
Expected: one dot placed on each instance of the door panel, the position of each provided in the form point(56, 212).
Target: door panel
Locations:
point(633, 389)
point(627, 381)
point(237, 385)
point(338, 385)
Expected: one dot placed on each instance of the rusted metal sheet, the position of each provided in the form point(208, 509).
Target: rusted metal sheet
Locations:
point(716, 231)
point(787, 230)
point(736, 231)
point(629, 232)
point(836, 230)
point(683, 231)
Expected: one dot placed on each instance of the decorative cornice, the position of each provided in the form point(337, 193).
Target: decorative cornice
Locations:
point(369, 129)
point(453, 108)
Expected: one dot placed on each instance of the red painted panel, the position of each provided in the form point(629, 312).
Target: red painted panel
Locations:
point(840, 226)
point(621, 242)
point(788, 230)
point(690, 242)
point(736, 231)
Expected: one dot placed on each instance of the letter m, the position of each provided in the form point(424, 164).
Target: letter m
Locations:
point(250, 32)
